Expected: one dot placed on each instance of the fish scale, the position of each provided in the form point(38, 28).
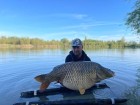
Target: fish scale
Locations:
point(76, 75)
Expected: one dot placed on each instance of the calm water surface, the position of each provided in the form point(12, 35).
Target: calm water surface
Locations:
point(19, 67)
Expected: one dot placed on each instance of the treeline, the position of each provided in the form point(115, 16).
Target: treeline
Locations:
point(64, 43)
point(32, 42)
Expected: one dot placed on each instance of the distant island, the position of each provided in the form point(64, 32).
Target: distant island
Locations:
point(25, 42)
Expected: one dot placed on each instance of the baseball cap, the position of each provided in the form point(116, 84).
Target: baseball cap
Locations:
point(76, 42)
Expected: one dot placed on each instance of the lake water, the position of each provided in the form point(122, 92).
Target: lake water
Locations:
point(19, 67)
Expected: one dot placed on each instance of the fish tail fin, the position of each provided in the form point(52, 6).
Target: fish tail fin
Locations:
point(43, 86)
point(44, 79)
point(40, 78)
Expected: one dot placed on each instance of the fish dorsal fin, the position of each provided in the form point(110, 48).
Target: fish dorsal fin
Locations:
point(82, 91)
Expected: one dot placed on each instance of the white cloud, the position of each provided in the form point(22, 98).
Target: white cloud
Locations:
point(87, 25)
point(59, 35)
point(2, 33)
point(75, 34)
point(79, 16)
point(7, 14)
point(115, 37)
point(69, 15)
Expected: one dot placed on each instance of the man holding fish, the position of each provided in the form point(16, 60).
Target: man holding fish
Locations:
point(79, 75)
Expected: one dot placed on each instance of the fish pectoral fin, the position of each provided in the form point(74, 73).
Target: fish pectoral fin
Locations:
point(43, 86)
point(82, 91)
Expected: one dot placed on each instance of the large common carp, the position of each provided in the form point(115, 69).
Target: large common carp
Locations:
point(75, 75)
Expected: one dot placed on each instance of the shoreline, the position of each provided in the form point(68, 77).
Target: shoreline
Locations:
point(29, 46)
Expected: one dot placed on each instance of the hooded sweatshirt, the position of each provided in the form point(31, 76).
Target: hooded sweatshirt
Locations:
point(71, 57)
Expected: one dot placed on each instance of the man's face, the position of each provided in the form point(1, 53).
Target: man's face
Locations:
point(77, 50)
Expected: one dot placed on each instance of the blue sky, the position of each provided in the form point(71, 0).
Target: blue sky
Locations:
point(57, 19)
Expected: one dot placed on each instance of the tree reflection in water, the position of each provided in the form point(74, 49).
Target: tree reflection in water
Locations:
point(133, 94)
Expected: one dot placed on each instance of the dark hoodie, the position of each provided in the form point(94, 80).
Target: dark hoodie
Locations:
point(71, 57)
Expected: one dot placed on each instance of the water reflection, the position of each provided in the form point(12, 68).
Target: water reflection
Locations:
point(133, 94)
point(76, 95)
point(68, 96)
point(138, 78)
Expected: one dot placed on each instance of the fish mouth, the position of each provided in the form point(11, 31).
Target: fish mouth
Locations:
point(111, 73)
